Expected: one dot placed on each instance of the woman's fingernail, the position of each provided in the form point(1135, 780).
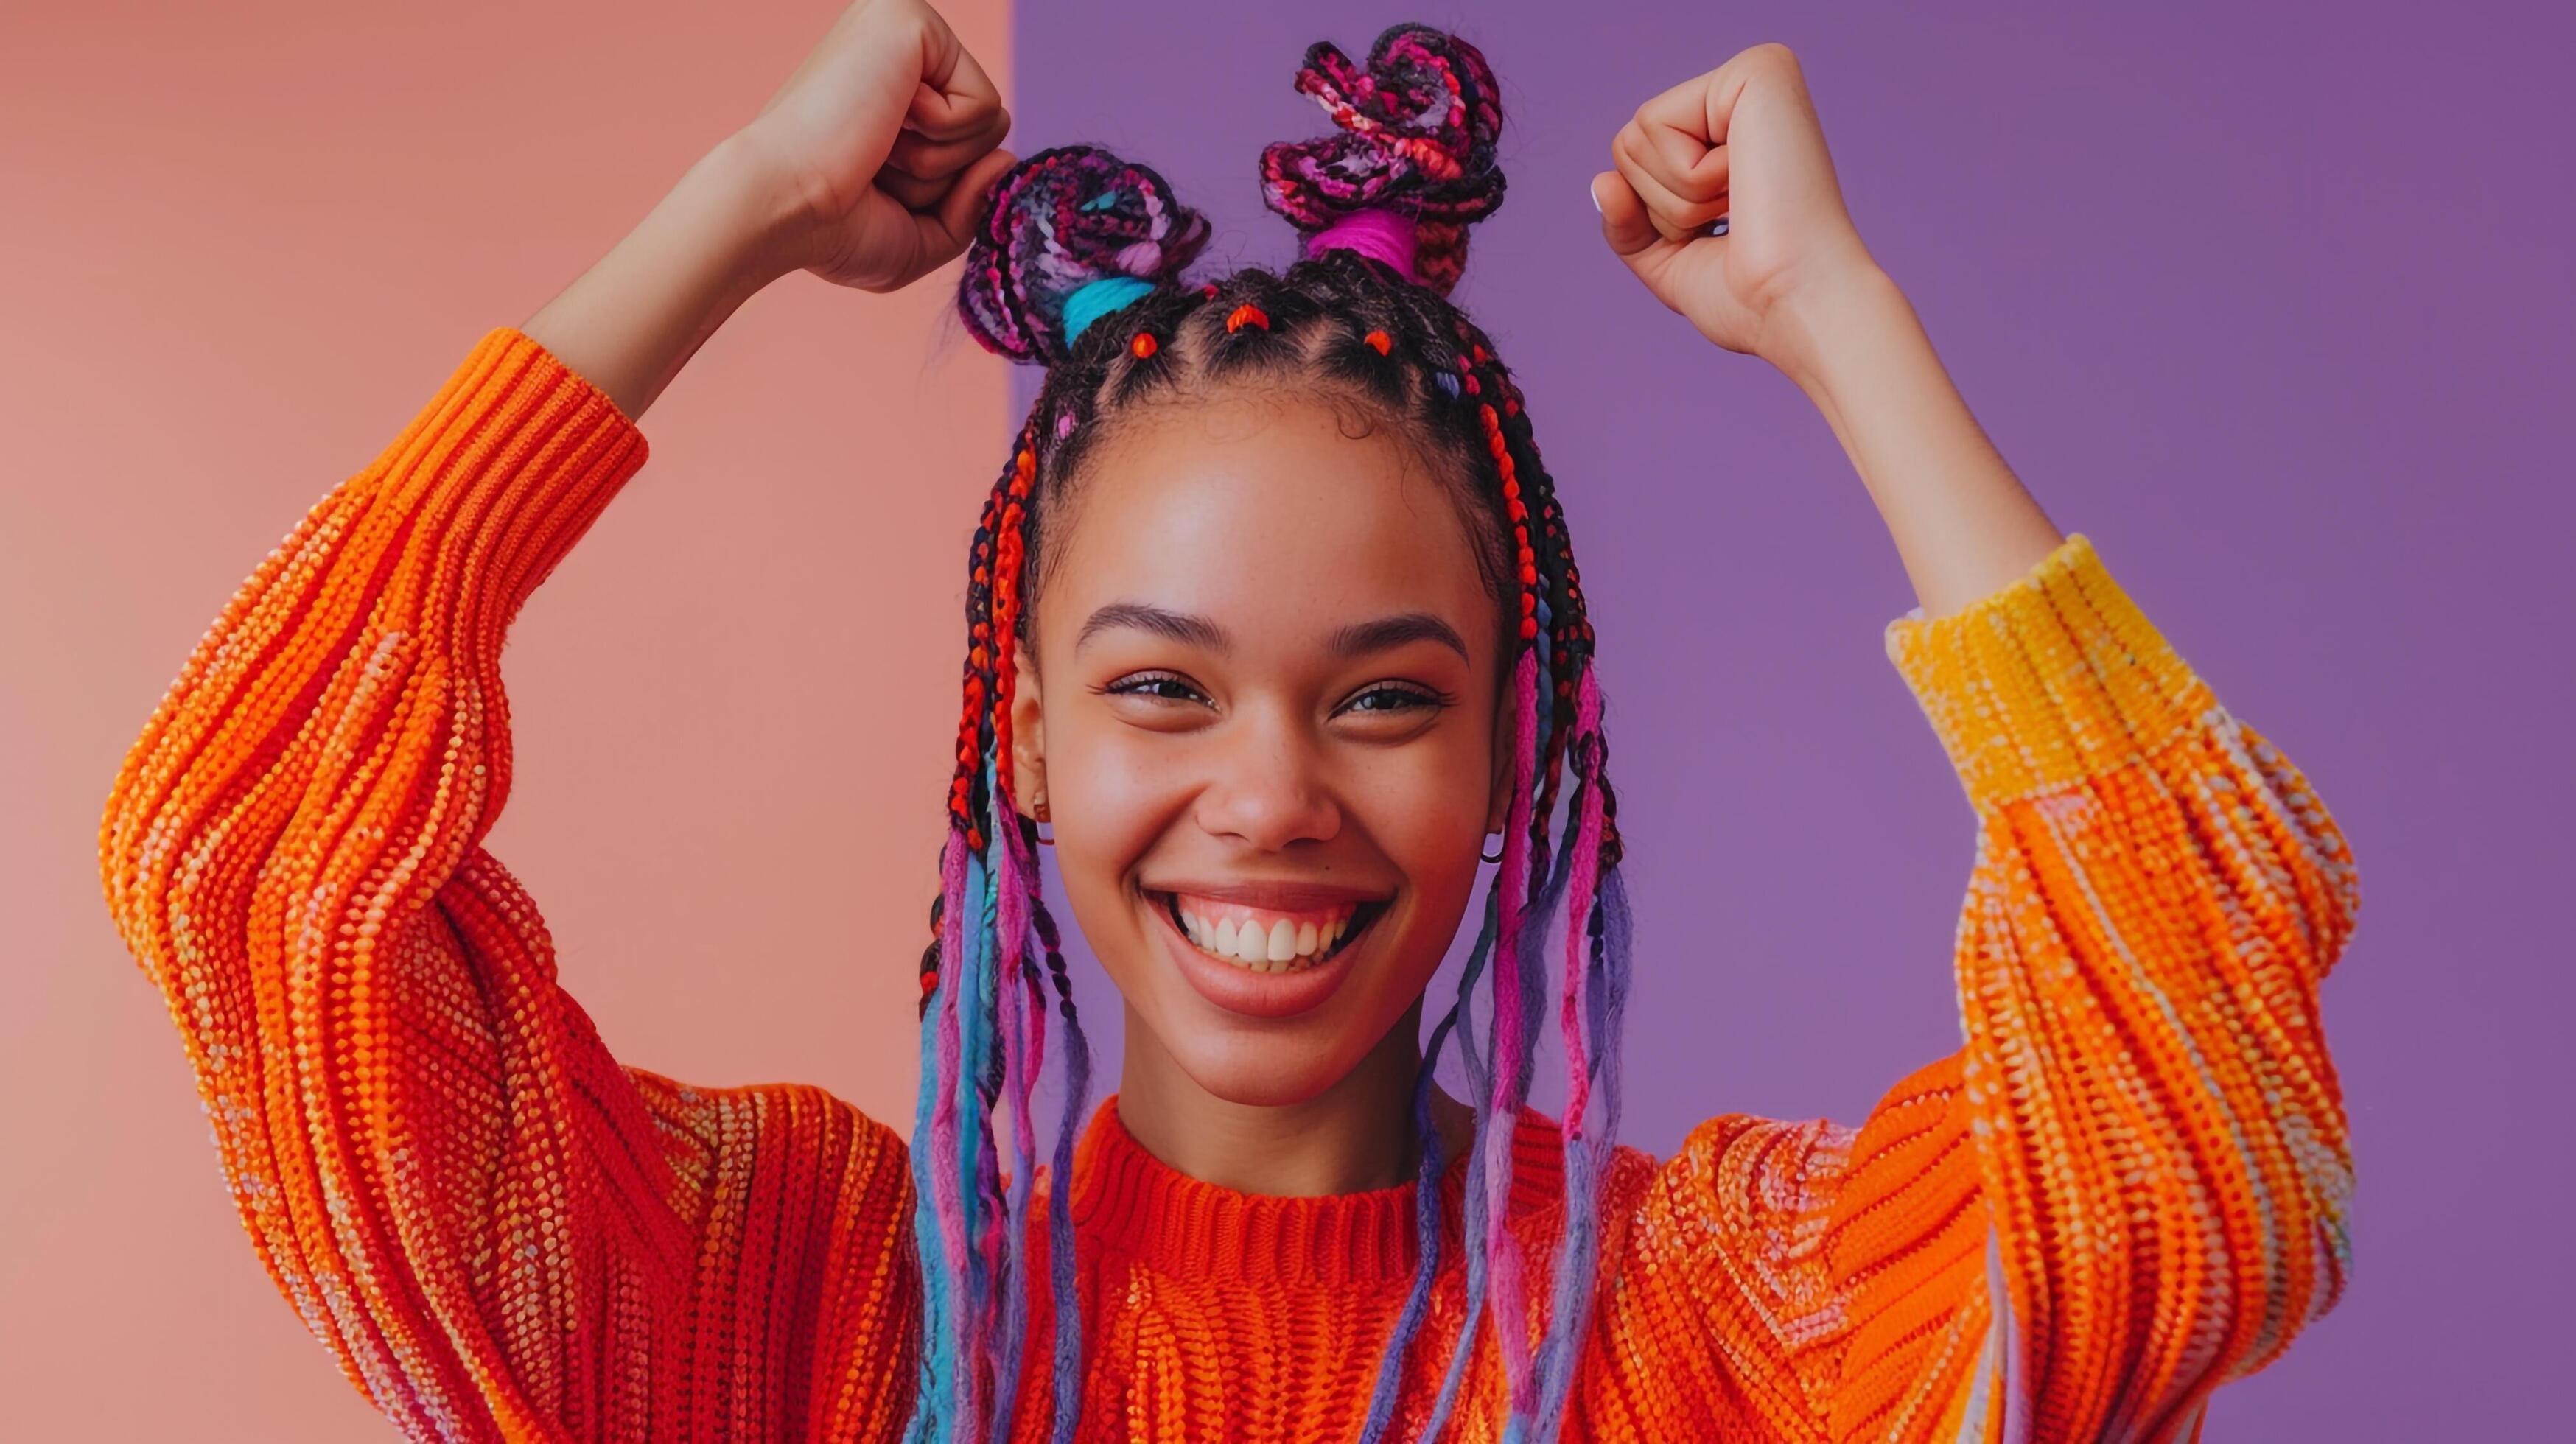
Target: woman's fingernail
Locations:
point(1589, 190)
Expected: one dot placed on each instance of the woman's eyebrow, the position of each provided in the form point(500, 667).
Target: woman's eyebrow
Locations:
point(1181, 627)
point(1359, 639)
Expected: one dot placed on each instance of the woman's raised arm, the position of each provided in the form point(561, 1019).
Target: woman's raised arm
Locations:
point(868, 167)
point(499, 1230)
point(458, 1189)
point(1723, 203)
point(2129, 1186)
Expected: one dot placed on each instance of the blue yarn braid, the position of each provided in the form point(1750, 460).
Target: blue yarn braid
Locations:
point(1534, 924)
point(1426, 1206)
point(932, 1370)
point(1092, 300)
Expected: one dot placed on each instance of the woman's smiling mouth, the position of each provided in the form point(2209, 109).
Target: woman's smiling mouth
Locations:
point(1267, 939)
point(1265, 950)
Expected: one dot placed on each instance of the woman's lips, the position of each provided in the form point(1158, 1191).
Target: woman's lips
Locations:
point(1264, 958)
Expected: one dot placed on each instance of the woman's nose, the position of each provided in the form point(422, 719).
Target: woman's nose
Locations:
point(1268, 790)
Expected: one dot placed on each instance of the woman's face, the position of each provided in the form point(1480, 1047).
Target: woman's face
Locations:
point(1263, 713)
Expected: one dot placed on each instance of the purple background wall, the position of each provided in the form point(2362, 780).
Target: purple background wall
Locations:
point(2274, 306)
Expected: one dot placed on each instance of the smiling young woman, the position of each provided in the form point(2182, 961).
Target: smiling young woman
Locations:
point(1270, 749)
point(1273, 615)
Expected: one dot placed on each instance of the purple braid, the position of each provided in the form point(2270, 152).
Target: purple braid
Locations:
point(1022, 1008)
point(1511, 1017)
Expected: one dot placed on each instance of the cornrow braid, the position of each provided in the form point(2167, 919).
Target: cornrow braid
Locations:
point(1078, 267)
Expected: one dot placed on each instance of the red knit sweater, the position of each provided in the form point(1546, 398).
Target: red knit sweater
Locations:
point(2127, 1187)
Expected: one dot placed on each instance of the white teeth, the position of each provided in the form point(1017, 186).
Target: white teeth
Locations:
point(1284, 946)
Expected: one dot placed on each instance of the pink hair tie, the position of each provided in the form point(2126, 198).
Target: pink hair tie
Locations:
point(1376, 232)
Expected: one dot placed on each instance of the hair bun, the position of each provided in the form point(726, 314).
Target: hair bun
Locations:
point(1418, 127)
point(1056, 222)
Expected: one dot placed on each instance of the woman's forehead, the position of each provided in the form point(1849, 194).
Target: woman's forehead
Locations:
point(1276, 516)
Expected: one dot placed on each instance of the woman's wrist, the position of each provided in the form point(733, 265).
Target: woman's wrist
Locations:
point(1962, 522)
point(772, 205)
point(724, 231)
point(1816, 327)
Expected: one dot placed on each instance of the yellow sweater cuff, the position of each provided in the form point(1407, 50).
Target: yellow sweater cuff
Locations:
point(2053, 679)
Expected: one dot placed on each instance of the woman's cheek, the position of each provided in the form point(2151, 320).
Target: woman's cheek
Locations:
point(1428, 812)
point(1115, 794)
point(1431, 807)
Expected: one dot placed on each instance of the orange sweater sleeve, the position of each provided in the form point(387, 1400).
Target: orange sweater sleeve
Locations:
point(2130, 1184)
point(500, 1232)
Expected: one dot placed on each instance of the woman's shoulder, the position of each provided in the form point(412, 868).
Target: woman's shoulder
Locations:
point(1743, 1170)
point(713, 1138)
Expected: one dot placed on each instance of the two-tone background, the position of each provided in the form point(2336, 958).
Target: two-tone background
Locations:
point(2272, 302)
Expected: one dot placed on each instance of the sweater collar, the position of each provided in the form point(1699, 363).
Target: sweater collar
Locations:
point(1128, 1202)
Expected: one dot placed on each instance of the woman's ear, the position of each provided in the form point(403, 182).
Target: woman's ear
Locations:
point(1028, 738)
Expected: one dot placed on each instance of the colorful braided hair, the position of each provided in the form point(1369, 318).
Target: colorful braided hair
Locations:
point(1077, 268)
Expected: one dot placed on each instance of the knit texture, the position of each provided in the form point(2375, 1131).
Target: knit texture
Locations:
point(2128, 1186)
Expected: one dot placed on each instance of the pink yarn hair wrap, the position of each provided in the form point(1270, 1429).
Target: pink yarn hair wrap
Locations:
point(1377, 233)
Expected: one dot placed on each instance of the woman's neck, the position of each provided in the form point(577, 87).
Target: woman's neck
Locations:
point(1354, 1136)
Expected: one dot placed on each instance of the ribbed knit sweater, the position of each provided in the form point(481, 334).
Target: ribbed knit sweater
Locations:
point(2128, 1186)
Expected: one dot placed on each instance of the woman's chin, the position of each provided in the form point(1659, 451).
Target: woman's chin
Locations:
point(1265, 1093)
point(1259, 1068)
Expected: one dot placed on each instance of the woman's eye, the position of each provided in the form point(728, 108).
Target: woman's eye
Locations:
point(1389, 698)
point(1160, 686)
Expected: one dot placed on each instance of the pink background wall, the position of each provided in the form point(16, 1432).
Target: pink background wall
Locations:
point(239, 253)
